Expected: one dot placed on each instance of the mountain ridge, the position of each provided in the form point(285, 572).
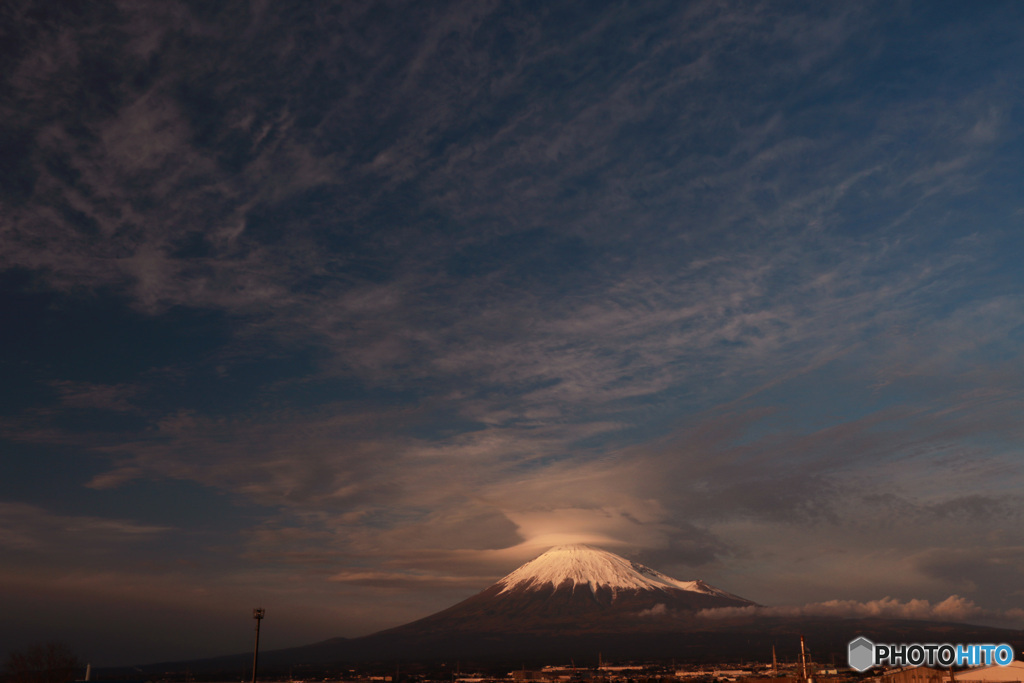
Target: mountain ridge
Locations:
point(574, 589)
point(537, 613)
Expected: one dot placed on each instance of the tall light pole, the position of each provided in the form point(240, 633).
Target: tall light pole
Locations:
point(257, 614)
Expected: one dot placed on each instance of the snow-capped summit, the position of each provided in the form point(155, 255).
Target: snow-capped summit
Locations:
point(575, 589)
point(581, 564)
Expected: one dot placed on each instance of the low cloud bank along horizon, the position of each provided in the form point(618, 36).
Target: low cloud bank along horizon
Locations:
point(953, 609)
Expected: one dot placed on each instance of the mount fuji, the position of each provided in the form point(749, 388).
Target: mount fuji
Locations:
point(575, 601)
point(576, 588)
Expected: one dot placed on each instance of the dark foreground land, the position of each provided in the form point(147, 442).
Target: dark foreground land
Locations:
point(446, 654)
point(459, 672)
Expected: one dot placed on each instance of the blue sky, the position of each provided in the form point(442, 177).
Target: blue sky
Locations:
point(348, 309)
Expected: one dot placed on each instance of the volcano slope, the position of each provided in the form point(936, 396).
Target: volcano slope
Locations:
point(577, 602)
point(572, 598)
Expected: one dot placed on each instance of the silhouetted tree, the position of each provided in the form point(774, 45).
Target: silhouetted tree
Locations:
point(51, 662)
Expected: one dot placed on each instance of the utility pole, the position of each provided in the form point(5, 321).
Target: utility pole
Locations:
point(803, 661)
point(257, 614)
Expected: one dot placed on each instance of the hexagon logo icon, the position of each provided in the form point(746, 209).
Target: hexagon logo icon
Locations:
point(862, 654)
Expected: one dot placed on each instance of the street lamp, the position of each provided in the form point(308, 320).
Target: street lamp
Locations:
point(257, 614)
